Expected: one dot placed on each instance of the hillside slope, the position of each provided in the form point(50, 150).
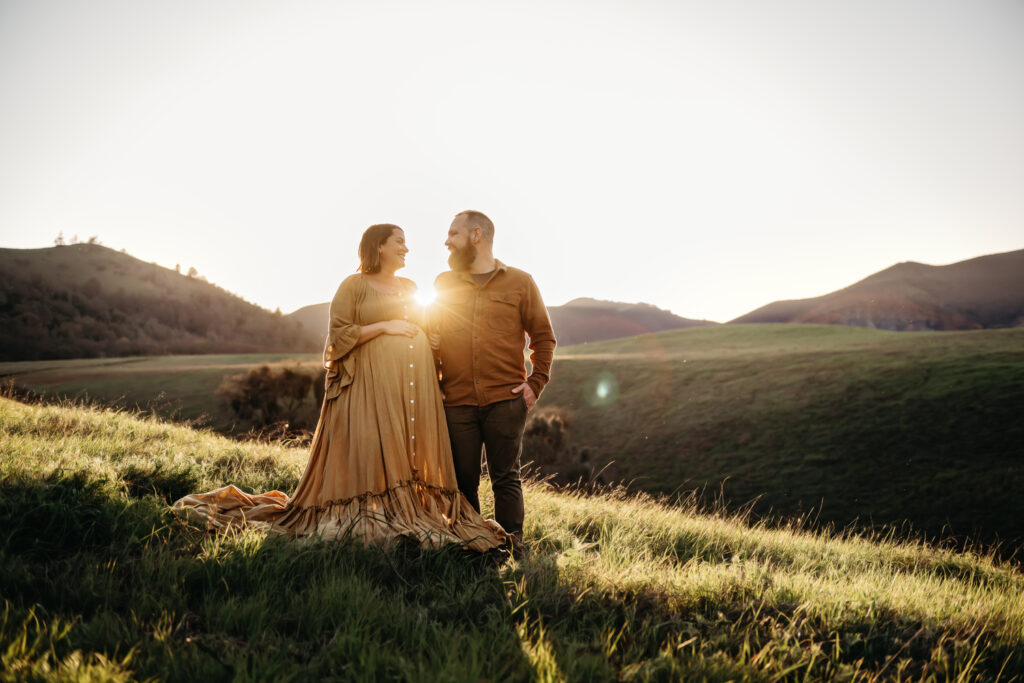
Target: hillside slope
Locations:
point(99, 582)
point(983, 292)
point(314, 318)
point(87, 301)
point(862, 426)
point(859, 425)
point(591, 320)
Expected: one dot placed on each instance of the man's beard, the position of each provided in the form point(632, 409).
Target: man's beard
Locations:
point(460, 260)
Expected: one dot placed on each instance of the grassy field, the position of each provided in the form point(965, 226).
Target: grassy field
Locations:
point(100, 582)
point(854, 424)
point(176, 387)
point(846, 425)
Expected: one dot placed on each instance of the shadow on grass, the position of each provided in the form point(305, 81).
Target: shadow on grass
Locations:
point(65, 513)
point(278, 607)
point(196, 605)
point(123, 574)
point(156, 480)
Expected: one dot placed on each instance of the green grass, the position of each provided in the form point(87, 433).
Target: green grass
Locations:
point(845, 425)
point(100, 582)
point(859, 425)
point(179, 387)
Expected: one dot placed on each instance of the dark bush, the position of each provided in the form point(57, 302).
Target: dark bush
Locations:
point(268, 397)
point(549, 452)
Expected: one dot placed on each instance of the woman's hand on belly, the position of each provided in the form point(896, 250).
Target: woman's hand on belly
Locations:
point(402, 328)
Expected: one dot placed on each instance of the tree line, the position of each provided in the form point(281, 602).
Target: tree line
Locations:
point(101, 303)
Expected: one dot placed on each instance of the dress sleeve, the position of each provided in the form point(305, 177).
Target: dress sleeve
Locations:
point(342, 335)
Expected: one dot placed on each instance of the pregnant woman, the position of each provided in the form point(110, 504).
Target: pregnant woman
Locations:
point(380, 465)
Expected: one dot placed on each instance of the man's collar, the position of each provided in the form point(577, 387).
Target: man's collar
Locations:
point(465, 275)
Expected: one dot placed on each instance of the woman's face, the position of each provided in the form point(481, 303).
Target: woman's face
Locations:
point(393, 251)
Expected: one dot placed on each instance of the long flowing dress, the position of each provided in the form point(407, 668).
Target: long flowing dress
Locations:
point(380, 464)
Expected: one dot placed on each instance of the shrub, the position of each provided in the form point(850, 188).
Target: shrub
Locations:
point(549, 451)
point(274, 398)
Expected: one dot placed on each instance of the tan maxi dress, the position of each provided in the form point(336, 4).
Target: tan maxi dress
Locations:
point(380, 464)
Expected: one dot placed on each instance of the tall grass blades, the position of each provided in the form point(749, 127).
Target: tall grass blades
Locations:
point(100, 582)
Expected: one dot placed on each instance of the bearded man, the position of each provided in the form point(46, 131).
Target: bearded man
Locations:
point(485, 311)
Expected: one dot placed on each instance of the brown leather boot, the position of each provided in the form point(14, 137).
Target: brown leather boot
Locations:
point(519, 549)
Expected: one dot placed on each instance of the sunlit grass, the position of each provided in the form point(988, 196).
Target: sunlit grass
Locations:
point(99, 579)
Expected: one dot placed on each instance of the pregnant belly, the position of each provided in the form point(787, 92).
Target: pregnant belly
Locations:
point(414, 349)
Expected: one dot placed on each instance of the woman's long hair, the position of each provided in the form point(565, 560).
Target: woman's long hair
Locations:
point(369, 246)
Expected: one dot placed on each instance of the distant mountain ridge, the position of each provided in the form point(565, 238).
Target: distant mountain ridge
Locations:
point(87, 301)
point(978, 293)
point(314, 318)
point(576, 322)
point(591, 320)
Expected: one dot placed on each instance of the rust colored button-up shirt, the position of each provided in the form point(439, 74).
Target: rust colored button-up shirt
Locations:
point(483, 331)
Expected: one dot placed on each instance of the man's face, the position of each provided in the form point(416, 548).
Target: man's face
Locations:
point(462, 251)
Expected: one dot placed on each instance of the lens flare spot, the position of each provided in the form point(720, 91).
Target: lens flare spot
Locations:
point(602, 390)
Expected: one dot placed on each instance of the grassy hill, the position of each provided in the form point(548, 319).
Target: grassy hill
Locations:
point(99, 581)
point(852, 424)
point(858, 424)
point(88, 301)
point(983, 292)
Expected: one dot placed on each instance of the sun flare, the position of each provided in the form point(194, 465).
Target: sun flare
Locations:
point(426, 296)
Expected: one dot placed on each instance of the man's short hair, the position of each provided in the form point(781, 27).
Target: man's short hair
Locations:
point(475, 219)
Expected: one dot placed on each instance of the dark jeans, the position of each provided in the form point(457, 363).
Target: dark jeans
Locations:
point(498, 427)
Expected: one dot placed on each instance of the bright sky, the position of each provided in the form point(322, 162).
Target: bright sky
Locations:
point(705, 157)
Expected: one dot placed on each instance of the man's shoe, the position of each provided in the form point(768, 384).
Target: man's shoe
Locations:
point(518, 547)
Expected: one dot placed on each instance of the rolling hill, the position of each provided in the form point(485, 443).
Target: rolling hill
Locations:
point(88, 301)
point(314, 318)
point(862, 426)
point(579, 321)
point(582, 321)
point(984, 292)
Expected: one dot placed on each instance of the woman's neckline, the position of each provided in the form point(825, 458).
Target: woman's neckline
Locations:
point(399, 292)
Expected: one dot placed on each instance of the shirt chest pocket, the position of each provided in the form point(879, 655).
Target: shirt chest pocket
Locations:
point(502, 312)
point(458, 309)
